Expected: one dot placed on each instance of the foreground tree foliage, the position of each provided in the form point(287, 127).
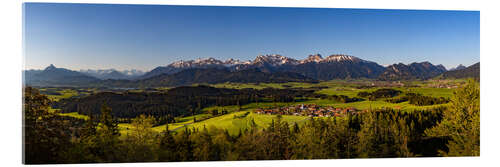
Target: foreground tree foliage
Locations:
point(45, 134)
point(452, 131)
point(461, 122)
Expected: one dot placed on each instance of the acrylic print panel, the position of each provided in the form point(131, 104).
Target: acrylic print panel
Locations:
point(162, 83)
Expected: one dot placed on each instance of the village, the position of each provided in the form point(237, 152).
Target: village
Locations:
point(311, 110)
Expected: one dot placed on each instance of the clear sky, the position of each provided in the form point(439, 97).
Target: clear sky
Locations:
point(97, 36)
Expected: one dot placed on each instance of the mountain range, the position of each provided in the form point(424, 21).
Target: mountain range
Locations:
point(113, 74)
point(472, 71)
point(264, 68)
point(424, 70)
point(459, 67)
point(314, 66)
point(214, 75)
point(52, 76)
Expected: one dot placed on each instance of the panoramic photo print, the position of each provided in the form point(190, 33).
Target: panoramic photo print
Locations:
point(116, 83)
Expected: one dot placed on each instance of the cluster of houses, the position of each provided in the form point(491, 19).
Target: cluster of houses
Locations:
point(311, 110)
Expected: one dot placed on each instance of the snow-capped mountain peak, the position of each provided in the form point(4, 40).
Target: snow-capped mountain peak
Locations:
point(459, 67)
point(312, 58)
point(270, 63)
point(50, 67)
point(340, 58)
point(231, 61)
point(270, 59)
point(196, 63)
point(99, 71)
point(274, 59)
point(132, 72)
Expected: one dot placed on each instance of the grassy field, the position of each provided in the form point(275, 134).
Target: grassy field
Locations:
point(353, 92)
point(235, 124)
point(247, 85)
point(52, 110)
point(348, 88)
point(74, 115)
point(361, 105)
point(181, 122)
point(56, 94)
point(235, 120)
point(65, 93)
point(340, 87)
point(277, 85)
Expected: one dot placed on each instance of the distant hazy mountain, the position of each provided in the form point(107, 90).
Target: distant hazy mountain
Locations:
point(472, 71)
point(314, 66)
point(423, 70)
point(459, 67)
point(52, 76)
point(113, 74)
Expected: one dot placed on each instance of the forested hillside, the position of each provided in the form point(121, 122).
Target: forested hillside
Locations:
point(413, 71)
point(213, 75)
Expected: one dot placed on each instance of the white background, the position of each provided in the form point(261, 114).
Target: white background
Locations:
point(11, 65)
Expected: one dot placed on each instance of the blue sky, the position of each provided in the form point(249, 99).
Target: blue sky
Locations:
point(97, 36)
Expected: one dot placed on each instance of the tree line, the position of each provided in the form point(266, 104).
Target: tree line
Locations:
point(379, 93)
point(418, 99)
point(344, 98)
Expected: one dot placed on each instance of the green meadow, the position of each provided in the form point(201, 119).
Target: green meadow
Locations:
point(237, 120)
point(65, 93)
point(74, 115)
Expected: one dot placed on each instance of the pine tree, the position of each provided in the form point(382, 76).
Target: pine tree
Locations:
point(168, 147)
point(107, 141)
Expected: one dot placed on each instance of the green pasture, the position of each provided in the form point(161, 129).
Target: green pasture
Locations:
point(65, 93)
point(74, 115)
point(360, 105)
point(278, 85)
point(181, 121)
point(235, 124)
point(247, 85)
